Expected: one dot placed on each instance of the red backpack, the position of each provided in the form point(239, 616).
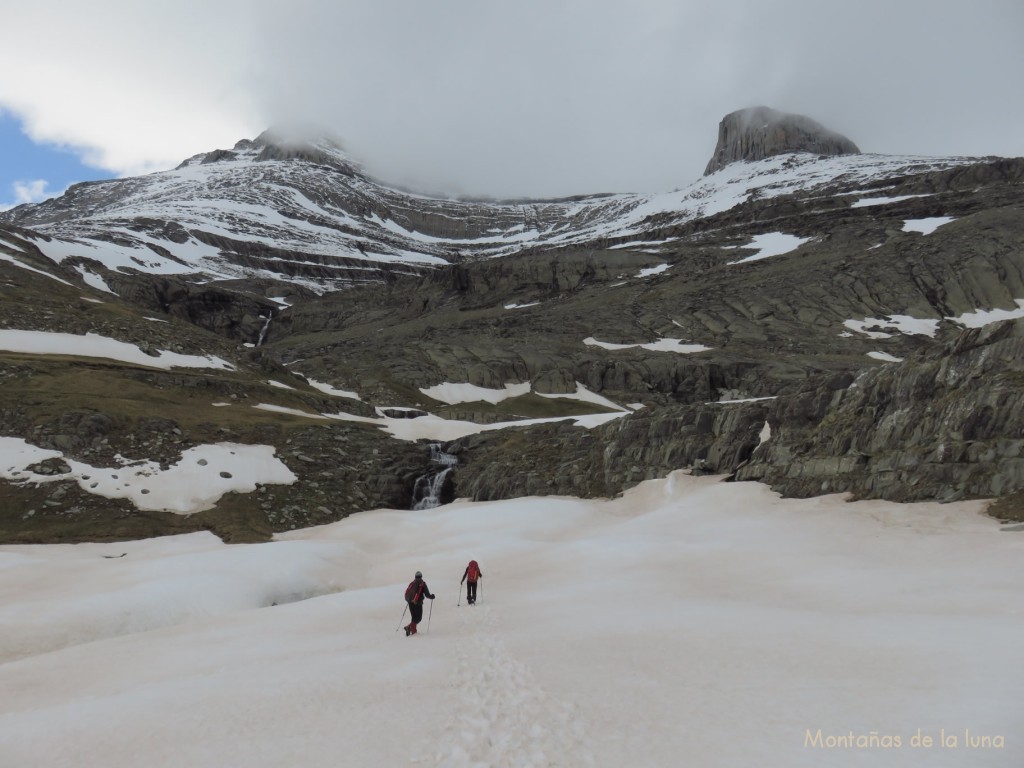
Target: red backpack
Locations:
point(473, 572)
point(414, 592)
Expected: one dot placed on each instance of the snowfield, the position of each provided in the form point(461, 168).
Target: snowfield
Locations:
point(195, 482)
point(94, 345)
point(689, 622)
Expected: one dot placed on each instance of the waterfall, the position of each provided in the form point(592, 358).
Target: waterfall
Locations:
point(263, 331)
point(426, 492)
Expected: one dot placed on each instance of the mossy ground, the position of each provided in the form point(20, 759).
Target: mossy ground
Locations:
point(1009, 508)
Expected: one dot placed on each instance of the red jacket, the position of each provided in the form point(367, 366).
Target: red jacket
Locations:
point(472, 576)
point(416, 591)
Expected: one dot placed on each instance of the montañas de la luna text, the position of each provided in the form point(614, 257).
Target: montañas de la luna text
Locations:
point(944, 739)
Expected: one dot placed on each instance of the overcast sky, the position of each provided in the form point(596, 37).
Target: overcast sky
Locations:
point(526, 98)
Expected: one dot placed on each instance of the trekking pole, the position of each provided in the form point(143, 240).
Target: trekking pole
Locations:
point(460, 596)
point(481, 585)
point(429, 614)
point(403, 617)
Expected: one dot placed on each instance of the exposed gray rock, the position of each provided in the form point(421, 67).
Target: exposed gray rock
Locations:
point(562, 459)
point(945, 425)
point(759, 132)
point(219, 154)
point(55, 466)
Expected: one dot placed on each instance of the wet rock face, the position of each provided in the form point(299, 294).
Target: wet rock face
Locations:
point(759, 132)
point(561, 459)
point(942, 426)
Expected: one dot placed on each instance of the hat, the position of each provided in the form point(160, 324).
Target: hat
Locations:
point(419, 575)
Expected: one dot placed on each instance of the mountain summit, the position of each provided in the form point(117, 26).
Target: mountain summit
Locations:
point(280, 144)
point(759, 132)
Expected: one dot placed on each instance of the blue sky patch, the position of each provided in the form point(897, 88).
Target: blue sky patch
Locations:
point(30, 172)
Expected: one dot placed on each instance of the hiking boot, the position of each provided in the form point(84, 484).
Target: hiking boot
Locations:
point(408, 629)
point(412, 631)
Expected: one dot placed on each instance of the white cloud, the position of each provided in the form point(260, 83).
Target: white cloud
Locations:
point(482, 98)
point(30, 191)
point(131, 87)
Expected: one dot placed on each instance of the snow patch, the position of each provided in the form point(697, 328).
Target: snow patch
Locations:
point(328, 389)
point(17, 263)
point(983, 317)
point(661, 345)
point(93, 280)
point(93, 345)
point(433, 427)
point(453, 394)
point(654, 270)
point(926, 226)
point(885, 357)
point(636, 243)
point(865, 202)
point(196, 482)
point(905, 324)
point(584, 395)
point(772, 244)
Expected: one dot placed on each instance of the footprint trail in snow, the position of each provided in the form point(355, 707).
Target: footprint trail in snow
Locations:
point(503, 718)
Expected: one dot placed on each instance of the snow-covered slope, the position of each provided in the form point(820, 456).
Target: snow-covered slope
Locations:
point(692, 622)
point(310, 216)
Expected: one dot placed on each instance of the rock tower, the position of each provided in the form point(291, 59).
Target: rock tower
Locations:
point(758, 132)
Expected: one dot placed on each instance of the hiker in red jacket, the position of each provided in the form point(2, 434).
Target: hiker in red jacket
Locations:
point(470, 576)
point(414, 595)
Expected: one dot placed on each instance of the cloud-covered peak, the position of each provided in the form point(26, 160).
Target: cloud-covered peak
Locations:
point(755, 133)
point(317, 146)
point(299, 135)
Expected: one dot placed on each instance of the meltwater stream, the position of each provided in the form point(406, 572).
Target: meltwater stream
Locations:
point(426, 493)
point(266, 327)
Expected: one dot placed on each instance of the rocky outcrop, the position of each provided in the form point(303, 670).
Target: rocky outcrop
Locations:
point(274, 145)
point(943, 426)
point(232, 314)
point(759, 132)
point(565, 459)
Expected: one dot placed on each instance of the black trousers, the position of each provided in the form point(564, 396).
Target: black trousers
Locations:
point(416, 611)
point(470, 591)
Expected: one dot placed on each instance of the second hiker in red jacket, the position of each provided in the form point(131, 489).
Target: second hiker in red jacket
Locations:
point(414, 594)
point(470, 576)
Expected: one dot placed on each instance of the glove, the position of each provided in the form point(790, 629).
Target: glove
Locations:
point(431, 597)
